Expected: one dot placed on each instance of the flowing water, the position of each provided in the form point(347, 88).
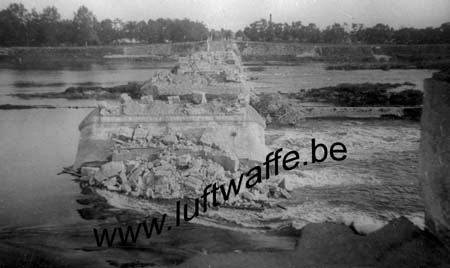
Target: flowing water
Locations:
point(377, 182)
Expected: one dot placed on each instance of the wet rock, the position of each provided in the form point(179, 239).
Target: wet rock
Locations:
point(108, 109)
point(183, 161)
point(193, 184)
point(196, 166)
point(161, 187)
point(286, 184)
point(284, 194)
point(126, 187)
point(149, 178)
point(199, 97)
point(162, 172)
point(243, 99)
point(125, 133)
point(169, 139)
point(364, 224)
point(102, 104)
point(258, 196)
point(99, 177)
point(247, 196)
point(263, 189)
point(173, 99)
point(130, 165)
point(175, 189)
point(149, 193)
point(123, 177)
point(140, 133)
point(147, 99)
point(226, 159)
point(112, 168)
point(141, 183)
point(272, 189)
point(89, 171)
point(124, 98)
point(150, 165)
point(111, 184)
point(149, 89)
point(135, 175)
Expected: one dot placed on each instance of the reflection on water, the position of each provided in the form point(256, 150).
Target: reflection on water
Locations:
point(292, 78)
point(38, 80)
point(35, 145)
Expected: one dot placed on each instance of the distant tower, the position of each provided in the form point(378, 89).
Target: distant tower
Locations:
point(270, 37)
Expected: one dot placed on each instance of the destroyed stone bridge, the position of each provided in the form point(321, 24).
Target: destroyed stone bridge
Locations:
point(192, 126)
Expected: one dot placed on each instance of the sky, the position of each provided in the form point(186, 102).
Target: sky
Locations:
point(236, 14)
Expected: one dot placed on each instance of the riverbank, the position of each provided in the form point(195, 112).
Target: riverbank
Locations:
point(343, 56)
point(398, 244)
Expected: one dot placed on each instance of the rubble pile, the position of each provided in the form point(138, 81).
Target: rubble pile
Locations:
point(213, 72)
point(190, 127)
point(173, 166)
point(226, 63)
point(192, 104)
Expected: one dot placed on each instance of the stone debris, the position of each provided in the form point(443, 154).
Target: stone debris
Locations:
point(286, 184)
point(112, 168)
point(107, 109)
point(199, 97)
point(210, 72)
point(124, 98)
point(173, 99)
point(147, 99)
point(208, 91)
point(173, 166)
point(140, 133)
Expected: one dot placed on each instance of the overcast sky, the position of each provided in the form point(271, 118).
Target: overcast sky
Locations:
point(236, 14)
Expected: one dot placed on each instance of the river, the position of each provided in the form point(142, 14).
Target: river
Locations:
point(44, 210)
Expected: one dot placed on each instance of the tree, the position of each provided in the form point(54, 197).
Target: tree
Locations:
point(66, 33)
point(444, 32)
point(312, 33)
point(85, 24)
point(152, 31)
point(377, 34)
point(129, 29)
point(49, 20)
point(355, 33)
point(13, 26)
point(334, 34)
point(141, 31)
point(106, 32)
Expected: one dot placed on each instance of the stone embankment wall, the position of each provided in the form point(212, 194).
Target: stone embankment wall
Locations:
point(249, 51)
point(435, 157)
point(37, 55)
point(329, 52)
point(165, 49)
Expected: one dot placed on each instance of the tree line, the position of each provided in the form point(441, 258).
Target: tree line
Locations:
point(264, 30)
point(20, 27)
